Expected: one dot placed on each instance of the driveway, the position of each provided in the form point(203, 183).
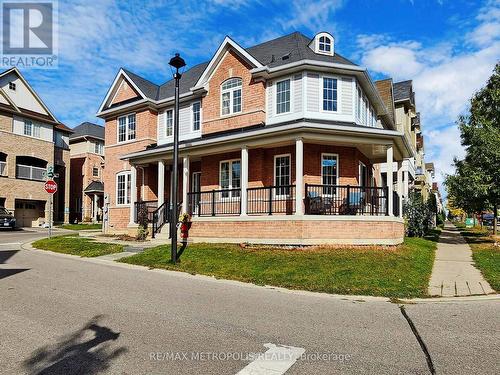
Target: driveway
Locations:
point(62, 314)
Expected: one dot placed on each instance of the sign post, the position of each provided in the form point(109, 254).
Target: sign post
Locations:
point(50, 187)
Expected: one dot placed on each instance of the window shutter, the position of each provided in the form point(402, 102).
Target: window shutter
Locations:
point(161, 125)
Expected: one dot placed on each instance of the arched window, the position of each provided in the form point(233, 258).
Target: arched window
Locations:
point(325, 44)
point(231, 96)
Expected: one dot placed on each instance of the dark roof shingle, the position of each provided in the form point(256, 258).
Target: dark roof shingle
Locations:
point(295, 46)
point(404, 91)
point(88, 129)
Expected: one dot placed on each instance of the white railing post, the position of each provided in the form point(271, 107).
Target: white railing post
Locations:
point(390, 186)
point(133, 193)
point(244, 180)
point(185, 183)
point(161, 182)
point(299, 176)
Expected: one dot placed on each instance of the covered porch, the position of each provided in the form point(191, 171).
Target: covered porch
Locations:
point(309, 183)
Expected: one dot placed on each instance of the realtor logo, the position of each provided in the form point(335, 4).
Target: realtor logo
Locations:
point(28, 35)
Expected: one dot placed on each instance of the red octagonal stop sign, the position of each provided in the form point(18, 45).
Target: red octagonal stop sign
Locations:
point(50, 186)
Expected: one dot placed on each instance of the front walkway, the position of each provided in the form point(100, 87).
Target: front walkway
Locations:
point(453, 273)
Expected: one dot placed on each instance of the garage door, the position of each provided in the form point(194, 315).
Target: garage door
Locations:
point(28, 213)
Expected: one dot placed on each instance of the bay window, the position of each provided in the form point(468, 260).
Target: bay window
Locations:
point(169, 119)
point(283, 96)
point(330, 94)
point(196, 109)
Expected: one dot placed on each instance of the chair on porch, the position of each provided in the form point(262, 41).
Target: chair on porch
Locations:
point(316, 204)
point(353, 203)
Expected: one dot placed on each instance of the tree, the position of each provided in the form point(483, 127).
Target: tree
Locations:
point(480, 134)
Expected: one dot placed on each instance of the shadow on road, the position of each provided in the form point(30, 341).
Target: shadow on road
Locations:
point(86, 351)
point(6, 272)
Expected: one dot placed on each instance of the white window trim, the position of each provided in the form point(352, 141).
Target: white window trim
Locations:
point(332, 44)
point(127, 175)
point(274, 175)
point(192, 116)
point(126, 128)
point(165, 122)
point(230, 195)
point(275, 109)
point(337, 170)
point(230, 91)
point(339, 93)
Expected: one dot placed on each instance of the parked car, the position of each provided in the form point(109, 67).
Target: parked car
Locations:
point(7, 220)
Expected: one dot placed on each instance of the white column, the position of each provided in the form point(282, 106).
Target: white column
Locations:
point(400, 187)
point(244, 180)
point(299, 176)
point(185, 183)
point(94, 218)
point(406, 185)
point(390, 171)
point(161, 182)
point(133, 192)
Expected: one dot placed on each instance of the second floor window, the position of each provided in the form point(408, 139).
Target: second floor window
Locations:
point(31, 129)
point(196, 116)
point(126, 128)
point(283, 96)
point(95, 172)
point(231, 96)
point(169, 118)
point(329, 94)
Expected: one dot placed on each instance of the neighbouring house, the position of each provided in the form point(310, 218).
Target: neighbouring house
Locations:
point(87, 166)
point(278, 144)
point(31, 139)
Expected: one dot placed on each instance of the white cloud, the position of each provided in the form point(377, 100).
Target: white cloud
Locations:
point(445, 76)
point(311, 14)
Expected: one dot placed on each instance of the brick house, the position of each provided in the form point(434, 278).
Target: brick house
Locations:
point(87, 170)
point(31, 138)
point(278, 144)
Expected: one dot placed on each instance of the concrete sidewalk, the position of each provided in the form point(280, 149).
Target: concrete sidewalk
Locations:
point(454, 273)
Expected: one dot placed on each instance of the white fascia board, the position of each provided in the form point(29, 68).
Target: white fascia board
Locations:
point(275, 129)
point(219, 53)
point(122, 107)
point(115, 81)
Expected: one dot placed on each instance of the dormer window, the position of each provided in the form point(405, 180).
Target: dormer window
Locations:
point(325, 44)
point(12, 86)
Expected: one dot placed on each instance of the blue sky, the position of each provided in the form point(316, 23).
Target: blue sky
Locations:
point(447, 47)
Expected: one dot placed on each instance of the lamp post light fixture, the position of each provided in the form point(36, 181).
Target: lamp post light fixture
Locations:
point(176, 62)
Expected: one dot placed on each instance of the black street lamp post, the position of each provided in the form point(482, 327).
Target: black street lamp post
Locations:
point(176, 62)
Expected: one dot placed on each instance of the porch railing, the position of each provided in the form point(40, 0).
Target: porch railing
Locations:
point(224, 202)
point(271, 199)
point(148, 207)
point(345, 200)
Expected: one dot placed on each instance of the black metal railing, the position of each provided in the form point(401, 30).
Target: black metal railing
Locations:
point(147, 207)
point(161, 216)
point(395, 203)
point(271, 199)
point(224, 202)
point(345, 200)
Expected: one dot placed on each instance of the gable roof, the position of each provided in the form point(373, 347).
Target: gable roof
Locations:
point(88, 129)
point(386, 90)
point(271, 53)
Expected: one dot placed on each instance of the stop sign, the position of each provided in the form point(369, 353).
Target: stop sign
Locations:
point(50, 186)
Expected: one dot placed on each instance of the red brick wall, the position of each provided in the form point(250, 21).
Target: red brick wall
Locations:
point(125, 92)
point(317, 231)
point(253, 97)
point(146, 125)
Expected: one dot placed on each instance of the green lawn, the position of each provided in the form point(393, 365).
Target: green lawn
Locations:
point(81, 226)
point(401, 271)
point(74, 245)
point(485, 254)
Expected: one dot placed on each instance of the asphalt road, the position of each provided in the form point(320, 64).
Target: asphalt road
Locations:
point(65, 315)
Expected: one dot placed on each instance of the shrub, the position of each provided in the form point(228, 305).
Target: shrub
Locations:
point(142, 219)
point(419, 218)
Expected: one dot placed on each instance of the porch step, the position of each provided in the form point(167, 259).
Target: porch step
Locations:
point(163, 234)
